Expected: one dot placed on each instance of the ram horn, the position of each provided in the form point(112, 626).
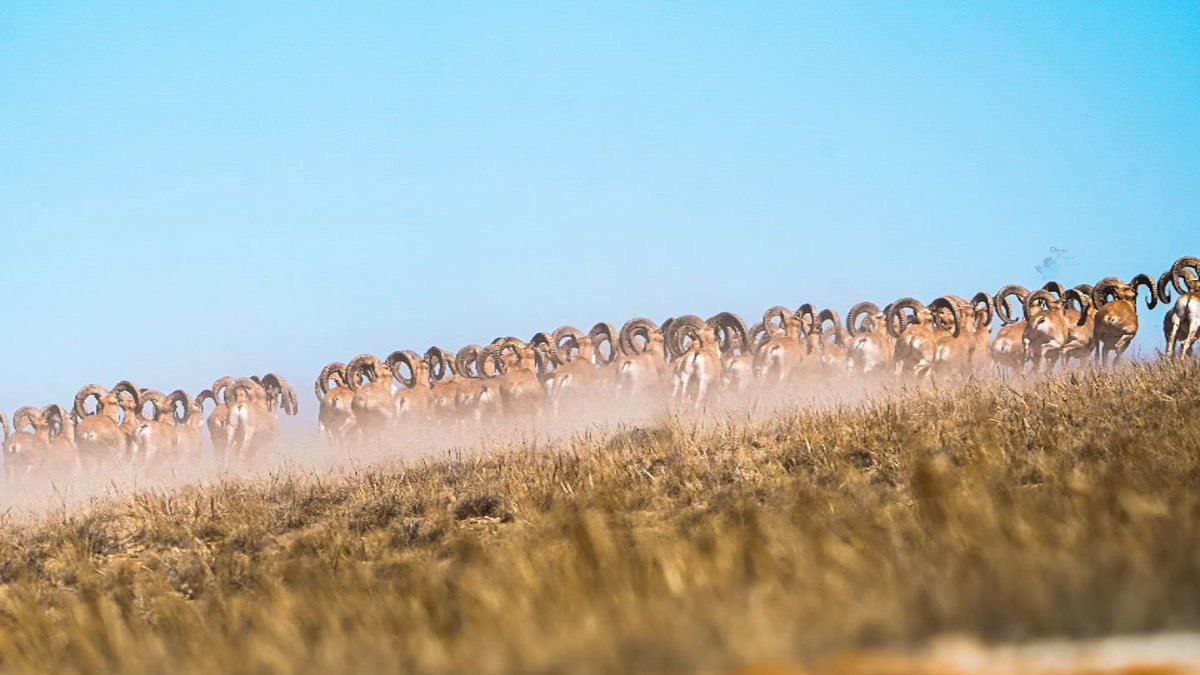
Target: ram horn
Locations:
point(206, 395)
point(732, 335)
point(853, 327)
point(80, 407)
point(545, 357)
point(441, 364)
point(56, 418)
point(1000, 302)
point(173, 401)
point(570, 334)
point(775, 318)
point(491, 355)
point(547, 352)
point(950, 305)
point(982, 302)
point(1041, 296)
point(1055, 288)
point(893, 319)
point(467, 360)
point(334, 373)
point(277, 387)
point(124, 387)
point(1177, 277)
point(1084, 301)
point(27, 417)
point(830, 316)
point(1102, 289)
point(220, 389)
point(405, 358)
point(633, 329)
point(502, 344)
point(562, 346)
point(807, 314)
point(681, 329)
point(156, 399)
point(1163, 287)
point(600, 334)
point(363, 365)
point(1144, 280)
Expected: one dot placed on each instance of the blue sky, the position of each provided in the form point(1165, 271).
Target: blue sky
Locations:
point(208, 189)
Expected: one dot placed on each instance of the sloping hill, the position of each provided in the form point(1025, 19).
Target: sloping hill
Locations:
point(1069, 508)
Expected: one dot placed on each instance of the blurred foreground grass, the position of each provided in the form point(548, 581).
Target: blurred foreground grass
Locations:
point(1067, 509)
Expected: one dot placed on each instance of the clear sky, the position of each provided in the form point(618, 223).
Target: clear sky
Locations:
point(189, 191)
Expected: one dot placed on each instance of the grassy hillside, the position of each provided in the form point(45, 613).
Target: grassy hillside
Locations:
point(1067, 509)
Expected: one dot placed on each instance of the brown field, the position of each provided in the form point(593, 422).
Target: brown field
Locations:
point(1064, 509)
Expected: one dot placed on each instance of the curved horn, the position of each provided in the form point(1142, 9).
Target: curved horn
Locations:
point(600, 334)
point(362, 365)
point(467, 361)
point(278, 388)
point(124, 387)
point(894, 326)
point(680, 329)
point(55, 413)
point(1000, 302)
point(403, 358)
point(220, 389)
point(950, 305)
point(156, 399)
point(1144, 280)
point(853, 327)
point(206, 395)
point(27, 417)
point(441, 364)
point(830, 316)
point(1042, 296)
point(666, 325)
point(546, 346)
point(80, 407)
point(1103, 288)
point(570, 334)
point(633, 329)
point(808, 318)
point(1177, 277)
point(1163, 287)
point(774, 317)
point(334, 373)
point(173, 402)
point(758, 334)
point(1074, 295)
point(731, 332)
point(492, 355)
point(1055, 288)
point(981, 306)
point(56, 418)
point(251, 385)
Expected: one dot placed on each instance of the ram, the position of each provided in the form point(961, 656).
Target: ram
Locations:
point(697, 367)
point(1182, 324)
point(1116, 315)
point(870, 347)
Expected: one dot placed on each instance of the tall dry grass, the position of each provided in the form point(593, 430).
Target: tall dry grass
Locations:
point(1068, 508)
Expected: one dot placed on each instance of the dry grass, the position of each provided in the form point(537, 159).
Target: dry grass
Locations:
point(1069, 509)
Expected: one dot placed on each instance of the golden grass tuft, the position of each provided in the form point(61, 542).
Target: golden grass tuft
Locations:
point(1064, 509)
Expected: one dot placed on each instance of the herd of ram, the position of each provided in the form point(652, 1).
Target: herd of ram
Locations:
point(686, 361)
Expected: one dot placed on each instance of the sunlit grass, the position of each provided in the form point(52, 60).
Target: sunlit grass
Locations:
point(1066, 509)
